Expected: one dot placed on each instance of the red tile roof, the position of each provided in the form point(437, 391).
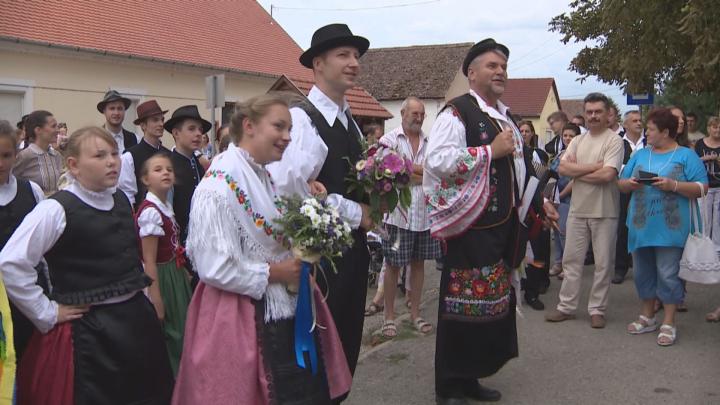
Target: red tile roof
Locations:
point(234, 35)
point(526, 97)
point(361, 102)
point(572, 107)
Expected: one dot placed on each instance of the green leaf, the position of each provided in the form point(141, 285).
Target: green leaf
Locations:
point(405, 197)
point(391, 200)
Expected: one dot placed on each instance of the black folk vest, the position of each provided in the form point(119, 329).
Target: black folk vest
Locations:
point(188, 173)
point(97, 256)
point(480, 130)
point(11, 215)
point(140, 154)
point(344, 149)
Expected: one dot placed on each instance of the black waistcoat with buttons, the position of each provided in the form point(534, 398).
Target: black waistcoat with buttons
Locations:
point(12, 214)
point(97, 256)
point(140, 154)
point(188, 173)
point(344, 149)
point(481, 129)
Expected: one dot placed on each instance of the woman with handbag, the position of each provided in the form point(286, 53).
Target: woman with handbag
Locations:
point(663, 181)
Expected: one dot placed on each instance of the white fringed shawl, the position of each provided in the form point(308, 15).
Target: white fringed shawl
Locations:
point(234, 206)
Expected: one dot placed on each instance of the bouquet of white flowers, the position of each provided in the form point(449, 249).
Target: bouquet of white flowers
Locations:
point(315, 230)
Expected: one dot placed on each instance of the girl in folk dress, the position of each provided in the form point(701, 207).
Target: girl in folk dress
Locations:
point(17, 198)
point(162, 255)
point(239, 342)
point(99, 340)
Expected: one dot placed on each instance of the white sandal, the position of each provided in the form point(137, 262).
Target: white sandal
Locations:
point(668, 332)
point(643, 325)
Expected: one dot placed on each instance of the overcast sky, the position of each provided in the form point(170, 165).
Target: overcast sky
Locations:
point(522, 25)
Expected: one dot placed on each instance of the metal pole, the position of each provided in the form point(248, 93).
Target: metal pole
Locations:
point(212, 115)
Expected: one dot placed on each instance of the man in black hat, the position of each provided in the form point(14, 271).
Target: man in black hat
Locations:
point(151, 118)
point(186, 126)
point(325, 142)
point(113, 106)
point(475, 159)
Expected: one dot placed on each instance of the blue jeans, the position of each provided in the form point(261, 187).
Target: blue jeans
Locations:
point(559, 239)
point(656, 274)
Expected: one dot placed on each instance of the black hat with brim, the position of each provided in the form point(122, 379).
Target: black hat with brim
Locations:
point(186, 112)
point(329, 37)
point(111, 96)
point(486, 45)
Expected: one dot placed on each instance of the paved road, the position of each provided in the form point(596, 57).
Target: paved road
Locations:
point(567, 363)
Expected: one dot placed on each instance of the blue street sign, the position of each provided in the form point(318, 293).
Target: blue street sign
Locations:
point(640, 99)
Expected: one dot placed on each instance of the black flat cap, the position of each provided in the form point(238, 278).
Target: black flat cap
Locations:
point(480, 48)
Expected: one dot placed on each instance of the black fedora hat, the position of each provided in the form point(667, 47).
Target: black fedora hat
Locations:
point(111, 96)
point(185, 112)
point(148, 109)
point(329, 37)
point(480, 48)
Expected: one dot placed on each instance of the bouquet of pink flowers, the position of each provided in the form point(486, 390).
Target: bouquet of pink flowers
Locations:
point(384, 174)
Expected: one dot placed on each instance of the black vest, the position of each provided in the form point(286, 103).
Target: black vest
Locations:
point(344, 149)
point(481, 129)
point(140, 154)
point(11, 215)
point(129, 138)
point(97, 256)
point(186, 180)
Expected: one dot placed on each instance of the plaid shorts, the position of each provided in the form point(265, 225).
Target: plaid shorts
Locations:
point(401, 246)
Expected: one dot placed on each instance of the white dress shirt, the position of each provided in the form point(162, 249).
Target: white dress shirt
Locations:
point(635, 145)
point(448, 140)
point(150, 222)
point(118, 137)
point(415, 218)
point(35, 236)
point(8, 191)
point(304, 157)
point(127, 181)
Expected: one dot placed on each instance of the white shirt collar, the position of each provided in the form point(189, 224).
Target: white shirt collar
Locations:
point(102, 200)
point(500, 113)
point(165, 207)
point(8, 190)
point(329, 110)
point(635, 145)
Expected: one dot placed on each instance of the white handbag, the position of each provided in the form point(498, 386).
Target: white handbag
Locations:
point(699, 263)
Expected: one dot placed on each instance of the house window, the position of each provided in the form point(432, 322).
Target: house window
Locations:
point(15, 99)
point(11, 106)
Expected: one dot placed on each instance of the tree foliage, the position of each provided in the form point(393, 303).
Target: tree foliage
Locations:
point(642, 45)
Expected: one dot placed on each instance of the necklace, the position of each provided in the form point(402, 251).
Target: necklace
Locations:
point(666, 163)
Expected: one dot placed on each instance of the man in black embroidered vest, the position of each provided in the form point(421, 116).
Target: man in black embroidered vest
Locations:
point(151, 118)
point(186, 126)
point(325, 141)
point(476, 158)
point(113, 106)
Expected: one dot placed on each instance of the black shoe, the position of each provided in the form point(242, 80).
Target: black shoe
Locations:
point(534, 303)
point(478, 392)
point(617, 279)
point(451, 401)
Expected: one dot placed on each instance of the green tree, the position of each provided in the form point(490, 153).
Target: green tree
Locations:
point(642, 45)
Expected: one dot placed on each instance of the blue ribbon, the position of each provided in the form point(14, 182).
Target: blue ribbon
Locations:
point(304, 342)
